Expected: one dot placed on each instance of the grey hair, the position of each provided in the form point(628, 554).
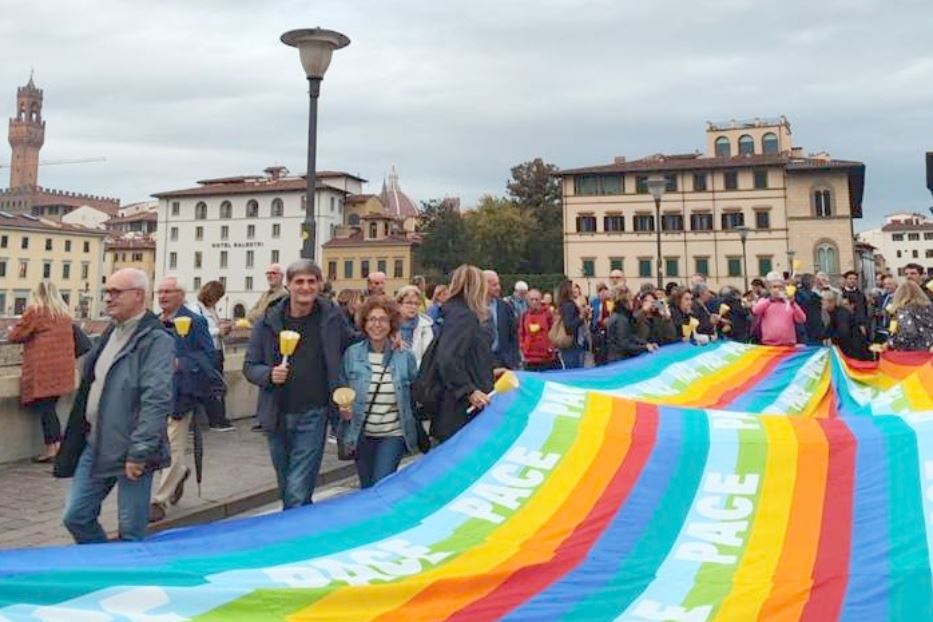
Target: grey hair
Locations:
point(138, 278)
point(699, 288)
point(774, 277)
point(179, 282)
point(831, 294)
point(303, 266)
point(727, 291)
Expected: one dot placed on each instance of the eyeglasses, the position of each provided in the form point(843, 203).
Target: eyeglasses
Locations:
point(411, 303)
point(113, 292)
point(377, 320)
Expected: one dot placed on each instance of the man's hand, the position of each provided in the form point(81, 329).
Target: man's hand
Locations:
point(279, 374)
point(652, 347)
point(478, 399)
point(133, 470)
point(346, 413)
point(398, 343)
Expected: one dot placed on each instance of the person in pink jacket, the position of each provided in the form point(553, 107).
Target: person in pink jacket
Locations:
point(779, 313)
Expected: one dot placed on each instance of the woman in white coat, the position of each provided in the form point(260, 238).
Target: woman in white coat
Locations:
point(416, 329)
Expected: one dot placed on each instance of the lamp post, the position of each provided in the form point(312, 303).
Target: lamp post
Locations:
point(315, 47)
point(656, 186)
point(790, 262)
point(743, 235)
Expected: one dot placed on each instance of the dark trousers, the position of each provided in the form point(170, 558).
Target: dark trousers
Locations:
point(215, 407)
point(542, 366)
point(51, 426)
point(378, 457)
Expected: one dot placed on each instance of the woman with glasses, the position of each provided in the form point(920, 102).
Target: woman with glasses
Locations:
point(379, 426)
point(47, 334)
point(416, 329)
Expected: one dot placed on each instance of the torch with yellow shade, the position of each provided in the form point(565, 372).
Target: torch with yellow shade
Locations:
point(288, 342)
point(182, 325)
point(506, 382)
point(344, 397)
point(688, 329)
point(790, 290)
point(534, 328)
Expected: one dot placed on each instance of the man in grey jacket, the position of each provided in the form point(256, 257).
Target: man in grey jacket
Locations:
point(122, 406)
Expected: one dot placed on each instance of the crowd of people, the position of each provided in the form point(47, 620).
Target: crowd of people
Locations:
point(383, 376)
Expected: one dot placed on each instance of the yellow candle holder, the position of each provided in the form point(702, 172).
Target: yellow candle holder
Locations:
point(892, 327)
point(790, 290)
point(288, 342)
point(506, 382)
point(724, 309)
point(344, 397)
point(534, 328)
point(610, 305)
point(182, 325)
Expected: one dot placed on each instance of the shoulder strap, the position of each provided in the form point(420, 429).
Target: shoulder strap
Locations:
point(382, 376)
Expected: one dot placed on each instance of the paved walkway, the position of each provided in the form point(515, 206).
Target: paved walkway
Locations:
point(238, 476)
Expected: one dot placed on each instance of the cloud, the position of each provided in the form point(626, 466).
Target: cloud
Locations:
point(455, 93)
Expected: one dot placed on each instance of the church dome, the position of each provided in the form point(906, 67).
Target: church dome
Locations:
point(396, 202)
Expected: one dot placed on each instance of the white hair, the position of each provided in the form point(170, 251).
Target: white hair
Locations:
point(137, 278)
point(521, 286)
point(774, 277)
point(179, 282)
point(490, 273)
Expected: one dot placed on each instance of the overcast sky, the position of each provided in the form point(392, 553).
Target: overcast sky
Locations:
point(455, 92)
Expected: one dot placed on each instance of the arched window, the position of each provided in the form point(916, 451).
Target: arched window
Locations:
point(822, 203)
point(769, 143)
point(827, 258)
point(239, 311)
point(373, 229)
point(34, 112)
point(746, 145)
point(723, 148)
point(278, 208)
point(200, 211)
point(252, 209)
point(226, 210)
point(353, 220)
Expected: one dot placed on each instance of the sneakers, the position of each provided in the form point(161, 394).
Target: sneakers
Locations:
point(226, 426)
point(331, 437)
point(256, 427)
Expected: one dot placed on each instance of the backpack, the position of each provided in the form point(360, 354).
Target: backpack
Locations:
point(427, 388)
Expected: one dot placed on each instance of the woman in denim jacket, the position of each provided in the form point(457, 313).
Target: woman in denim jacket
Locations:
point(379, 426)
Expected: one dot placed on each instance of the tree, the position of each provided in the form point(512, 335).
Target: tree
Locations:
point(536, 191)
point(444, 238)
point(498, 234)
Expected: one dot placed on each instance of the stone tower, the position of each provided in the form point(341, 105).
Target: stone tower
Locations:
point(27, 133)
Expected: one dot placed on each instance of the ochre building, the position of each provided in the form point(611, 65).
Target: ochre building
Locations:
point(751, 175)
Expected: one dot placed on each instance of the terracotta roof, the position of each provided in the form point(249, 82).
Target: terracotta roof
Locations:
point(332, 174)
point(131, 243)
point(900, 226)
point(689, 162)
point(141, 216)
point(392, 240)
point(25, 221)
point(286, 184)
point(358, 198)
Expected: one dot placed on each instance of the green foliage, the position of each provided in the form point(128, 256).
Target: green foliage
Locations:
point(518, 234)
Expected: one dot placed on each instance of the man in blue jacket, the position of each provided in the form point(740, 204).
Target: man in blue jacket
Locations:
point(120, 411)
point(502, 325)
point(195, 378)
point(294, 404)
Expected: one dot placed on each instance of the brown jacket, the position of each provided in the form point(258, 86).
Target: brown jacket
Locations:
point(48, 355)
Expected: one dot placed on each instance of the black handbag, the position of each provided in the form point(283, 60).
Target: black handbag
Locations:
point(343, 451)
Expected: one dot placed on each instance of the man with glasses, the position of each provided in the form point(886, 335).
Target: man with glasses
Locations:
point(196, 380)
point(271, 296)
point(294, 402)
point(121, 410)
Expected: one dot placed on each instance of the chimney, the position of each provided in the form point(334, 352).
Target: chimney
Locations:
point(276, 172)
point(621, 160)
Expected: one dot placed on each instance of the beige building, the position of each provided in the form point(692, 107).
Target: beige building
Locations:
point(131, 252)
point(751, 175)
point(33, 249)
point(375, 238)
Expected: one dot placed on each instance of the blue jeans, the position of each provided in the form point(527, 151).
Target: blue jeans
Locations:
point(88, 492)
point(572, 358)
point(296, 449)
point(378, 457)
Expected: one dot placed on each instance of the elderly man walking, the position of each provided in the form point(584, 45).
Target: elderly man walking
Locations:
point(196, 380)
point(276, 292)
point(295, 397)
point(116, 431)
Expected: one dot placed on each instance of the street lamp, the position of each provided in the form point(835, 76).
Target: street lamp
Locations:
point(790, 261)
point(315, 47)
point(743, 235)
point(656, 186)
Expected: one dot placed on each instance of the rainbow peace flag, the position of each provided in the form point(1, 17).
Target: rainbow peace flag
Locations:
point(728, 482)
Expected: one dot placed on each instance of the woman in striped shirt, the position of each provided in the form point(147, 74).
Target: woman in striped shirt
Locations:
point(380, 425)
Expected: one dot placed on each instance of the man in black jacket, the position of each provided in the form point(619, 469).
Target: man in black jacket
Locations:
point(502, 324)
point(295, 398)
point(857, 301)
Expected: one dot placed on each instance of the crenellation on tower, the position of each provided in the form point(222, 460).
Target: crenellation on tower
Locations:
point(26, 136)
